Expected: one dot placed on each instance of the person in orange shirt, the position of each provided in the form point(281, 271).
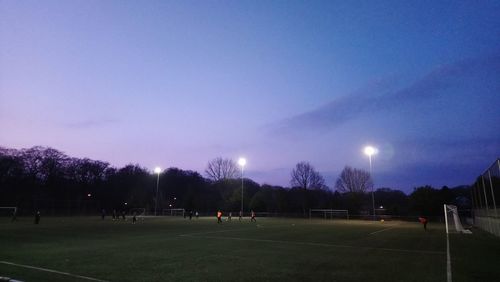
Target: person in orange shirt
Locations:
point(423, 220)
point(219, 217)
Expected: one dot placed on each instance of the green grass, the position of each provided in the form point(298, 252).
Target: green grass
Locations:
point(176, 249)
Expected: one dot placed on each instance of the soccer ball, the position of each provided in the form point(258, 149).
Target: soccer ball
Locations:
point(382, 220)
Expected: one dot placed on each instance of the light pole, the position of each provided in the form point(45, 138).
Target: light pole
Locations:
point(370, 151)
point(242, 162)
point(157, 171)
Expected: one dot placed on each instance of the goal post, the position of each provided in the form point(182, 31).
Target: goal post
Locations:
point(328, 214)
point(451, 217)
point(173, 212)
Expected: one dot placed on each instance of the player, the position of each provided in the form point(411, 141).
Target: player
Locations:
point(103, 214)
point(253, 217)
point(229, 216)
point(115, 217)
point(196, 214)
point(423, 220)
point(37, 217)
point(219, 217)
point(241, 215)
point(190, 215)
point(134, 218)
point(14, 216)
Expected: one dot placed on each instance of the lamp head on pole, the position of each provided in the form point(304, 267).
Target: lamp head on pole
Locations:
point(157, 170)
point(242, 162)
point(369, 151)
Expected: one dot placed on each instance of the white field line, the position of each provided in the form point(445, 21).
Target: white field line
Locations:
point(230, 230)
point(448, 259)
point(53, 271)
point(320, 245)
point(213, 232)
point(385, 229)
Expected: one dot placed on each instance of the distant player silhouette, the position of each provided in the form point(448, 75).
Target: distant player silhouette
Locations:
point(423, 220)
point(219, 217)
point(37, 217)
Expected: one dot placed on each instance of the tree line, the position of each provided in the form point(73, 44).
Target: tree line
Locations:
point(42, 178)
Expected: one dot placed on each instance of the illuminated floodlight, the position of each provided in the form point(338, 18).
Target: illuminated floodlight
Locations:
point(369, 151)
point(242, 162)
point(89, 195)
point(157, 169)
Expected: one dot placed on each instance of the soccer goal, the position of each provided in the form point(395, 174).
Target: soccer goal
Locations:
point(451, 219)
point(328, 214)
point(8, 211)
point(174, 212)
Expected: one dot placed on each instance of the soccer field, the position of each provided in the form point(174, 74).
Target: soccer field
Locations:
point(177, 249)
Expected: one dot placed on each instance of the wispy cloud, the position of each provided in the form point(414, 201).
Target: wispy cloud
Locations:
point(90, 123)
point(381, 95)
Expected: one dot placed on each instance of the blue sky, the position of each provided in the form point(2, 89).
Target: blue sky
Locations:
point(177, 83)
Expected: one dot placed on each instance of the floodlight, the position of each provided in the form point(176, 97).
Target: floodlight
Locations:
point(157, 169)
point(369, 150)
point(242, 162)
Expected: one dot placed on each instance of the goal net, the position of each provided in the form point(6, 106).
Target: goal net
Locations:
point(452, 220)
point(173, 212)
point(328, 214)
point(8, 211)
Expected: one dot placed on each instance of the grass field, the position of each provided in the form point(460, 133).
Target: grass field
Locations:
point(176, 249)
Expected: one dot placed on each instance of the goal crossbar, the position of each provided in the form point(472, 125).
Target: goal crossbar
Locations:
point(329, 213)
point(14, 209)
point(173, 212)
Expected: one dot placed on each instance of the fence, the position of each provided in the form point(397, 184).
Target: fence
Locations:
point(486, 197)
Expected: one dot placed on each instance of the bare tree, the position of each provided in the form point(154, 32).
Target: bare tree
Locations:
point(353, 180)
point(219, 169)
point(305, 176)
point(87, 171)
point(43, 163)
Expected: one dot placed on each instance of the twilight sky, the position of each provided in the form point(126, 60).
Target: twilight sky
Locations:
point(177, 83)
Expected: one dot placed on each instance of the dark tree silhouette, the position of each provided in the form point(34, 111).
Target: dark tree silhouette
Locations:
point(222, 169)
point(306, 177)
point(353, 180)
point(46, 179)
